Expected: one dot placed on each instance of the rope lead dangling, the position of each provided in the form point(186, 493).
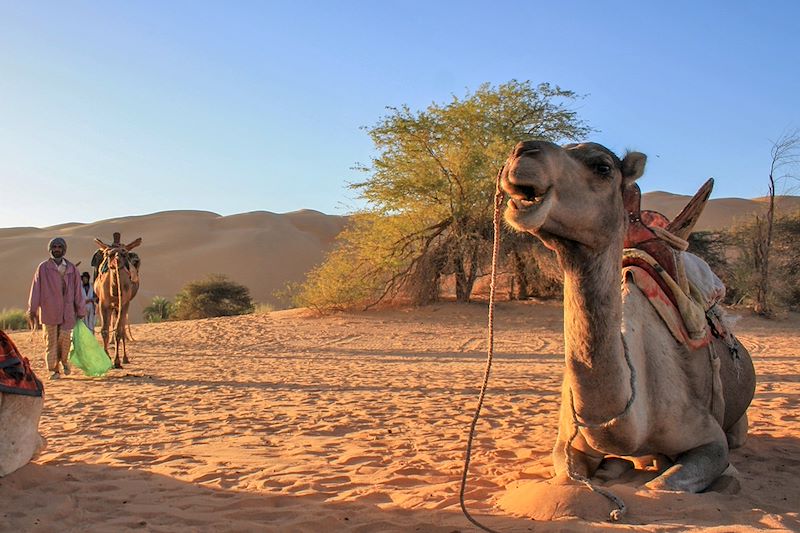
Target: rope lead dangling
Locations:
point(498, 203)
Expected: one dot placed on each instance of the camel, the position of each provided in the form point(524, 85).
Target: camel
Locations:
point(115, 287)
point(19, 410)
point(630, 390)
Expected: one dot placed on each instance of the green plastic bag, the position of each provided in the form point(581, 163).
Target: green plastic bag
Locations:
point(86, 352)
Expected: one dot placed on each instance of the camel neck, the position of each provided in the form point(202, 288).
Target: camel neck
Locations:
point(595, 359)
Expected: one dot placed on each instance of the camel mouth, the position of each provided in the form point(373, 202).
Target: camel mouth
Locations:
point(529, 212)
point(525, 197)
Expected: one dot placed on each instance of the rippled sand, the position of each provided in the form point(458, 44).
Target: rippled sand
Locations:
point(358, 422)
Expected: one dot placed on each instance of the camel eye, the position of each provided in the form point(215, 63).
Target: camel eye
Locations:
point(603, 170)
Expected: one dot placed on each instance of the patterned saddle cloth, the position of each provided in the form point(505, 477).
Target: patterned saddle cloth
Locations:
point(16, 374)
point(680, 286)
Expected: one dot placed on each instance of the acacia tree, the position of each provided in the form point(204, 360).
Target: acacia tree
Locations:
point(430, 190)
point(785, 155)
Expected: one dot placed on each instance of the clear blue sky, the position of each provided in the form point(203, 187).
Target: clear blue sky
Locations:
point(119, 108)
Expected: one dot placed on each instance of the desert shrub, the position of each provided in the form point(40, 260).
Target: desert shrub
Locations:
point(211, 297)
point(360, 270)
point(545, 277)
point(784, 263)
point(263, 309)
point(13, 319)
point(159, 310)
point(711, 247)
point(786, 260)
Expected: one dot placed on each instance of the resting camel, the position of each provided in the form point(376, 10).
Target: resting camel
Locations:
point(21, 401)
point(115, 287)
point(630, 389)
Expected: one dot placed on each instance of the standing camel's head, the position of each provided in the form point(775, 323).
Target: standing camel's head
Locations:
point(116, 256)
point(570, 195)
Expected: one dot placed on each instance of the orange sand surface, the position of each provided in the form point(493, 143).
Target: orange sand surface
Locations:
point(358, 422)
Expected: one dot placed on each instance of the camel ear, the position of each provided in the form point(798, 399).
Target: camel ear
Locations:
point(683, 224)
point(632, 167)
point(134, 244)
point(100, 244)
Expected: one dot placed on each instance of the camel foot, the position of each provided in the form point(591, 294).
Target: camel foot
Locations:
point(117, 365)
point(613, 468)
point(125, 360)
point(695, 470)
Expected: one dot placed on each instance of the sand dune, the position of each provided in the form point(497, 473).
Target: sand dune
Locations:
point(719, 212)
point(358, 422)
point(263, 251)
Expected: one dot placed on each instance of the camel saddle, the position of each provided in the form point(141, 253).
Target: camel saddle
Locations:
point(16, 374)
point(654, 256)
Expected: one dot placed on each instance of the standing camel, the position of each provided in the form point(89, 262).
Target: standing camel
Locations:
point(115, 286)
point(630, 388)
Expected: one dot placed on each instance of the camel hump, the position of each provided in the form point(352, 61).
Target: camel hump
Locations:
point(683, 224)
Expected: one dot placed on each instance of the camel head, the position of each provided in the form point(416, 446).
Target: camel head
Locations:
point(116, 256)
point(570, 195)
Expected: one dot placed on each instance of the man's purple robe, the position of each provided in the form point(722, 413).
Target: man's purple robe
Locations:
point(59, 300)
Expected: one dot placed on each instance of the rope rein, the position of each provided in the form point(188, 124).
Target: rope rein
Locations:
point(498, 202)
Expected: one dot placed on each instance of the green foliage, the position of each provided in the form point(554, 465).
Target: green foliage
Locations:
point(430, 194)
point(159, 310)
point(211, 297)
point(13, 319)
point(358, 271)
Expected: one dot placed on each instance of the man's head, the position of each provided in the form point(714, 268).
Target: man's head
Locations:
point(85, 278)
point(57, 248)
point(117, 237)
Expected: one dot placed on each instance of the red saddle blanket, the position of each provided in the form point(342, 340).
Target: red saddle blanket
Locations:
point(16, 374)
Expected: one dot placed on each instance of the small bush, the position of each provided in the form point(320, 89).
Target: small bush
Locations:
point(13, 319)
point(263, 309)
point(159, 310)
point(211, 297)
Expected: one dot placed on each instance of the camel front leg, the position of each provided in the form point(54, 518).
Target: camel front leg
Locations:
point(104, 315)
point(573, 454)
point(695, 469)
point(125, 350)
point(123, 324)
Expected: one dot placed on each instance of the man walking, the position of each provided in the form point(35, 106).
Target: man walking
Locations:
point(56, 297)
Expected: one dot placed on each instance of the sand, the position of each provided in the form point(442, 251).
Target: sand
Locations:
point(358, 422)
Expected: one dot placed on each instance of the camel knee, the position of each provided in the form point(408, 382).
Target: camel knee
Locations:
point(569, 461)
